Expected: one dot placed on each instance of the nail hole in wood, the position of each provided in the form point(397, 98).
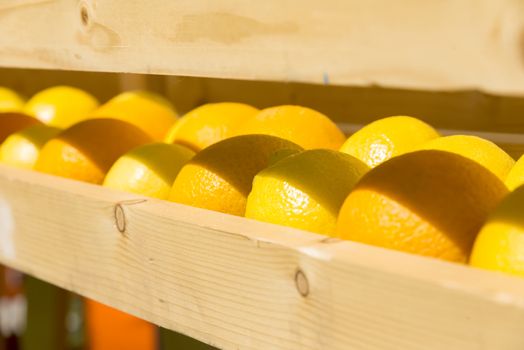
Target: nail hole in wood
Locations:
point(120, 218)
point(301, 283)
point(84, 15)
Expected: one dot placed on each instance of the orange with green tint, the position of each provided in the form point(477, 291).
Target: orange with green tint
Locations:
point(88, 149)
point(220, 177)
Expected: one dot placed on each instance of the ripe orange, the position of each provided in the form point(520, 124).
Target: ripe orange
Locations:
point(61, 106)
point(430, 203)
point(13, 122)
point(220, 177)
point(21, 149)
point(482, 151)
point(305, 190)
point(208, 124)
point(515, 177)
point(386, 138)
point(148, 170)
point(148, 111)
point(87, 150)
point(10, 101)
point(500, 243)
point(111, 329)
point(304, 126)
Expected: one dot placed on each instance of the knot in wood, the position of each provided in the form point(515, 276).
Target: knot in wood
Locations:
point(84, 15)
point(120, 218)
point(301, 283)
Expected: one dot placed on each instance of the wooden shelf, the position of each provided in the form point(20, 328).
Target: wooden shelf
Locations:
point(236, 283)
point(436, 45)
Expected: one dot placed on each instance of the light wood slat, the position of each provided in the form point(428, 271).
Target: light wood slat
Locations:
point(230, 282)
point(443, 45)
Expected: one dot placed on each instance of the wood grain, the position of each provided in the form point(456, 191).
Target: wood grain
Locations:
point(231, 282)
point(436, 45)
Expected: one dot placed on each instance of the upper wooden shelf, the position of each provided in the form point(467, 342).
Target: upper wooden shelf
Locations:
point(436, 45)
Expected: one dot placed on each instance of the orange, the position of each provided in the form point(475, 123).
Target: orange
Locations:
point(61, 106)
point(220, 177)
point(148, 111)
point(301, 125)
point(431, 203)
point(10, 101)
point(482, 151)
point(13, 122)
point(515, 177)
point(386, 138)
point(110, 329)
point(208, 124)
point(21, 149)
point(500, 244)
point(88, 149)
point(148, 170)
point(305, 190)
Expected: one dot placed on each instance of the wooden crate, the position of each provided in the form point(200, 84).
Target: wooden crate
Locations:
point(236, 283)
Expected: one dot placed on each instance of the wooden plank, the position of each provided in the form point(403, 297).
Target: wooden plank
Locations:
point(236, 283)
point(442, 45)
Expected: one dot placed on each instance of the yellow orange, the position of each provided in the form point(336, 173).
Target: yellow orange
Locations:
point(22, 148)
point(88, 149)
point(515, 177)
point(305, 190)
point(208, 124)
point(500, 244)
point(149, 111)
point(430, 203)
point(61, 106)
point(482, 151)
point(149, 170)
point(304, 126)
point(10, 101)
point(386, 138)
point(220, 176)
